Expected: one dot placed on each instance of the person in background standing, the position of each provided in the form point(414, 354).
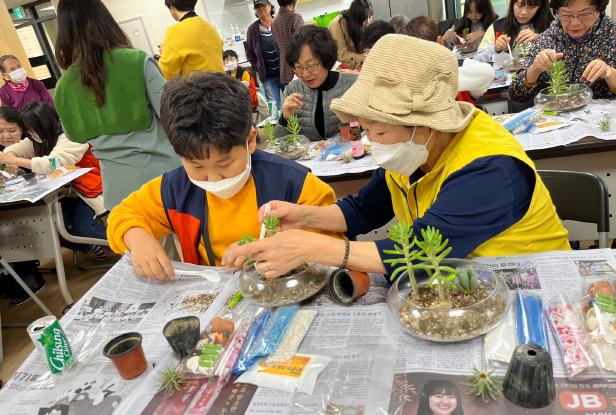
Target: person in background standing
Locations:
point(110, 97)
point(399, 22)
point(262, 53)
point(347, 28)
point(283, 28)
point(478, 17)
point(232, 68)
point(191, 45)
point(18, 89)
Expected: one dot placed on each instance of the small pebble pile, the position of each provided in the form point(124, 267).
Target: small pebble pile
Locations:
point(570, 335)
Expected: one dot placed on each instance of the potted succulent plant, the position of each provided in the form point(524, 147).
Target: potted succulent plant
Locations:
point(467, 47)
point(297, 285)
point(560, 95)
point(291, 146)
point(442, 299)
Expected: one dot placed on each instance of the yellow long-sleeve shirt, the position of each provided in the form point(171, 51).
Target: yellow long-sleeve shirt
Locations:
point(228, 219)
point(191, 45)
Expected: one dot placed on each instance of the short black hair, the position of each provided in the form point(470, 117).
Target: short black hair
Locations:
point(375, 32)
point(182, 5)
point(319, 40)
point(601, 5)
point(228, 53)
point(285, 3)
point(12, 116)
point(206, 110)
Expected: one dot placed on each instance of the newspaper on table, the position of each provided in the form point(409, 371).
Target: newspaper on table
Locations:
point(41, 188)
point(120, 302)
point(584, 123)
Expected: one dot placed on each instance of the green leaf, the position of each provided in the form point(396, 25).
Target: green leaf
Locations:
point(396, 272)
point(446, 281)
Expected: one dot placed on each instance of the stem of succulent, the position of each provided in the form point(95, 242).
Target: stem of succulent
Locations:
point(439, 277)
point(409, 267)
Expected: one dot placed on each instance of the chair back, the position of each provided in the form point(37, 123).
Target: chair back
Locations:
point(581, 197)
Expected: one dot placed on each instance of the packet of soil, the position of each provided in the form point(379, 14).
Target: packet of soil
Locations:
point(500, 342)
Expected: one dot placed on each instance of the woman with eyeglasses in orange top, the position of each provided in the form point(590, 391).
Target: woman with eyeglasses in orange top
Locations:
point(584, 37)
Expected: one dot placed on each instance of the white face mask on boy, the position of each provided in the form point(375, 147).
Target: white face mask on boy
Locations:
point(231, 66)
point(402, 158)
point(227, 188)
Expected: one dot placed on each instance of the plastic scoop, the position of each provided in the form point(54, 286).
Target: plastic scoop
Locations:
point(267, 209)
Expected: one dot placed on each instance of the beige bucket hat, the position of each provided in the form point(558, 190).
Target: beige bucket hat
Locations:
point(420, 89)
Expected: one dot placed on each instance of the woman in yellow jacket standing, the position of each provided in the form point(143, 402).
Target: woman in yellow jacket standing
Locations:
point(347, 29)
point(191, 45)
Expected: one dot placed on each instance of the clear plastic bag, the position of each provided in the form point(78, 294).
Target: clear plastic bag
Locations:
point(272, 332)
point(598, 305)
point(296, 332)
point(256, 327)
point(357, 381)
point(500, 342)
point(517, 120)
point(569, 335)
point(531, 322)
point(298, 375)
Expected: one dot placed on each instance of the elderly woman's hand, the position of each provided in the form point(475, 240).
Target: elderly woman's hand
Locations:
point(544, 60)
point(597, 69)
point(291, 104)
point(291, 216)
point(276, 255)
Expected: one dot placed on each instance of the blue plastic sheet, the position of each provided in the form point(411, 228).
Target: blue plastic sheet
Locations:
point(532, 325)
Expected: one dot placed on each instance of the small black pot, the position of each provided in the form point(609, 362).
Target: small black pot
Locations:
point(182, 334)
point(530, 379)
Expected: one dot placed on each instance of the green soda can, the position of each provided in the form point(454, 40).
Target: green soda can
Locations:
point(52, 344)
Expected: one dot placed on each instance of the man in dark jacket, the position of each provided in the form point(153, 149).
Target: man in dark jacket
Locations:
point(261, 52)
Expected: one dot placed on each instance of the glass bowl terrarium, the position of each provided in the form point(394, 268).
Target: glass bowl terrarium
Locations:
point(462, 317)
point(571, 97)
point(298, 285)
point(560, 95)
point(292, 146)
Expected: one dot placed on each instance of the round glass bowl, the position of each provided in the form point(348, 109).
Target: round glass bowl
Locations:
point(564, 102)
point(290, 152)
point(447, 324)
point(283, 290)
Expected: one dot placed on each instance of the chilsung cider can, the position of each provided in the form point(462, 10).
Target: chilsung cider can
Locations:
point(52, 344)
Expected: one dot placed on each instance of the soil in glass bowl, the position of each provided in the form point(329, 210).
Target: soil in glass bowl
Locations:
point(462, 317)
point(298, 285)
point(564, 102)
point(294, 152)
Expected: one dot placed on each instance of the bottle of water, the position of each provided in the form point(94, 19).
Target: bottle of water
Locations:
point(238, 34)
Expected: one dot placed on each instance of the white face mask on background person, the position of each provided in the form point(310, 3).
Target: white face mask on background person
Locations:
point(226, 188)
point(231, 66)
point(402, 158)
point(18, 76)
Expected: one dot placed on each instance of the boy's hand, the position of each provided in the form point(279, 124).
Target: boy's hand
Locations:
point(148, 255)
point(291, 104)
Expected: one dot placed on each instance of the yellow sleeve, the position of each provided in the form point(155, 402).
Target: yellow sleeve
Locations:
point(318, 193)
point(171, 60)
point(142, 209)
point(488, 39)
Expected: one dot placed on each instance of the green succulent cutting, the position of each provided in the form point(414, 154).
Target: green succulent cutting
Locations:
point(466, 281)
point(483, 383)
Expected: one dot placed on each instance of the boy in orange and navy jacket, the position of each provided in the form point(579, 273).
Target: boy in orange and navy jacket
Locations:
point(243, 75)
point(214, 198)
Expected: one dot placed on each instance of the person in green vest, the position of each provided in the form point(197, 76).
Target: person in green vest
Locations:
point(444, 164)
point(110, 97)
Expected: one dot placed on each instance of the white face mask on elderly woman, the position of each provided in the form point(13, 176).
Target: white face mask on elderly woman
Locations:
point(402, 158)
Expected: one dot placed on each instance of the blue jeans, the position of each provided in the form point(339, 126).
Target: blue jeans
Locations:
point(79, 221)
point(273, 88)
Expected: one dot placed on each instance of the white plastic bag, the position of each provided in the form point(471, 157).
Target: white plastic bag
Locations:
point(501, 341)
point(299, 375)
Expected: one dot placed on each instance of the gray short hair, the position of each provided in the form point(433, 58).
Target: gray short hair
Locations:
point(5, 57)
point(399, 22)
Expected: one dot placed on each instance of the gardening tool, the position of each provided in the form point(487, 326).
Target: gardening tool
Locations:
point(208, 274)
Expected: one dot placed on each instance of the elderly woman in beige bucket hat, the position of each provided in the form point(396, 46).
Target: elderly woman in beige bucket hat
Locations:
point(443, 164)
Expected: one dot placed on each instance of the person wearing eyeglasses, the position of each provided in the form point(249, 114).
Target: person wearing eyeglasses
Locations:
point(312, 54)
point(584, 37)
point(478, 17)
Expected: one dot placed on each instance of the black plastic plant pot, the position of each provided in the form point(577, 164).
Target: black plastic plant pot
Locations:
point(530, 381)
point(182, 334)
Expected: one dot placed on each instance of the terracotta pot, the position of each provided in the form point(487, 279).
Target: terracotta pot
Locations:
point(220, 324)
point(126, 354)
point(346, 286)
point(345, 131)
point(182, 334)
